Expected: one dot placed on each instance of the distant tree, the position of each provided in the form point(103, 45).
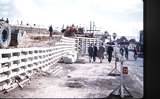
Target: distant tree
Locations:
point(123, 39)
point(132, 41)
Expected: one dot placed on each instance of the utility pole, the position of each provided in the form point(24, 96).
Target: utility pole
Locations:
point(92, 28)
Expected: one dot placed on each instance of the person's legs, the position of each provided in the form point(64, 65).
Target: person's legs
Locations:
point(100, 59)
point(94, 58)
point(127, 56)
point(90, 57)
point(109, 57)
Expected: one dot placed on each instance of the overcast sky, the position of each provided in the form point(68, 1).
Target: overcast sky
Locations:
point(125, 17)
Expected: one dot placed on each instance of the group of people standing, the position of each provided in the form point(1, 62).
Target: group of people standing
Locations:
point(126, 51)
point(94, 52)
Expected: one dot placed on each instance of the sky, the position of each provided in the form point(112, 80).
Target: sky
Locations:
point(124, 17)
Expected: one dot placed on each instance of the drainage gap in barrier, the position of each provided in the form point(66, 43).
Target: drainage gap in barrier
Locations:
point(35, 57)
point(24, 53)
point(36, 51)
point(35, 70)
point(30, 52)
point(30, 58)
point(30, 65)
point(15, 70)
point(23, 67)
point(7, 55)
point(16, 62)
point(16, 54)
point(5, 74)
point(44, 56)
point(24, 60)
point(40, 67)
point(40, 57)
point(7, 64)
point(40, 51)
point(35, 63)
point(40, 62)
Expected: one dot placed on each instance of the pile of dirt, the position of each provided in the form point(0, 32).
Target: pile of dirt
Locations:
point(39, 40)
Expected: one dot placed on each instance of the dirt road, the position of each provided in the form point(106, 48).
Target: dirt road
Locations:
point(78, 80)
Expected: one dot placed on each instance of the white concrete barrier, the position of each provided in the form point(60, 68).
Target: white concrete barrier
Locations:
point(24, 61)
point(71, 57)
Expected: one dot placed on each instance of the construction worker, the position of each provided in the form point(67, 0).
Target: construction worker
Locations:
point(90, 52)
point(50, 31)
point(94, 52)
point(101, 51)
point(109, 52)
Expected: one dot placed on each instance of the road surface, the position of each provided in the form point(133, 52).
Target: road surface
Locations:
point(81, 80)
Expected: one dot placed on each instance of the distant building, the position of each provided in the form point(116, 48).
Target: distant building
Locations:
point(140, 44)
point(141, 40)
point(141, 37)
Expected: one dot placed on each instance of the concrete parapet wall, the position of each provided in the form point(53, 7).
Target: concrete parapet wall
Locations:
point(25, 61)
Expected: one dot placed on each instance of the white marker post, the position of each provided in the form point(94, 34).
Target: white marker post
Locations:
point(122, 90)
point(115, 71)
point(121, 81)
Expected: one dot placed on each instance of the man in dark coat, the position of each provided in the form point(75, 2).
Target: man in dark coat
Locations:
point(126, 52)
point(94, 52)
point(109, 52)
point(122, 51)
point(101, 52)
point(90, 52)
point(135, 53)
point(50, 31)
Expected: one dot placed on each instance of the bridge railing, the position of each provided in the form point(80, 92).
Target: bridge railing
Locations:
point(25, 61)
